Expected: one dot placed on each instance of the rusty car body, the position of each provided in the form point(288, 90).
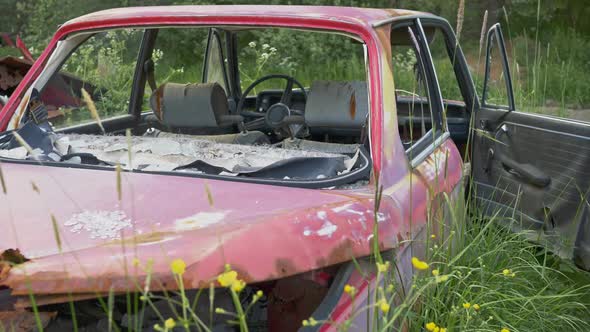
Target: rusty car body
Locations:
point(294, 238)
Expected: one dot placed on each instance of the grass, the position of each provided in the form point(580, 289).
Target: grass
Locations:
point(516, 284)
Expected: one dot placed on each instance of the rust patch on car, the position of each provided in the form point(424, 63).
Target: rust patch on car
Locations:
point(343, 252)
point(352, 109)
point(285, 267)
point(243, 274)
point(23, 302)
point(9, 258)
point(141, 239)
point(23, 320)
point(14, 256)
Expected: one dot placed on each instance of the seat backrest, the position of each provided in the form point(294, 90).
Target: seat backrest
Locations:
point(338, 108)
point(191, 106)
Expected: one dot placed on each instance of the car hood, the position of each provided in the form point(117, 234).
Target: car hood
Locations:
point(95, 231)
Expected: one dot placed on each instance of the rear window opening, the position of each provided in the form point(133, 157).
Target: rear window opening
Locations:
point(237, 103)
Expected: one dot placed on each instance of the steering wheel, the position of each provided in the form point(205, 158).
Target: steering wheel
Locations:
point(276, 113)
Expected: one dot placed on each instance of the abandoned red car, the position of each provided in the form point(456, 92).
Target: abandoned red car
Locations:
point(206, 137)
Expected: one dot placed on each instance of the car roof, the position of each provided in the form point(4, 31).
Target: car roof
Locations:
point(351, 15)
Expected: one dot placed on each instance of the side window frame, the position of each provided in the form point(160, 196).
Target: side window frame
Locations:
point(140, 77)
point(495, 36)
point(214, 35)
point(438, 133)
point(460, 67)
point(136, 91)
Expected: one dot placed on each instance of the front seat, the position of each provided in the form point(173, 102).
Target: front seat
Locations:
point(200, 110)
point(337, 108)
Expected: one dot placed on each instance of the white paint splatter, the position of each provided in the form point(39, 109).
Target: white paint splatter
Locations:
point(322, 215)
point(355, 212)
point(341, 208)
point(199, 220)
point(100, 224)
point(327, 229)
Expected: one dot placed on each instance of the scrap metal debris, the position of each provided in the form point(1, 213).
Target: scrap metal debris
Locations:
point(166, 154)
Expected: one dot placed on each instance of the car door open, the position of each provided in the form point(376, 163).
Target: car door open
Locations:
point(530, 169)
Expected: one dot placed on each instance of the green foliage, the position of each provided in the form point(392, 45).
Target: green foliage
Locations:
point(281, 51)
point(107, 63)
point(546, 40)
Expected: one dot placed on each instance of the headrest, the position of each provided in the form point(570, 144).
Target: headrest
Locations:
point(190, 105)
point(335, 105)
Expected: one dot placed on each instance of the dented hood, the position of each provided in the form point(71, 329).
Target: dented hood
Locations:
point(81, 236)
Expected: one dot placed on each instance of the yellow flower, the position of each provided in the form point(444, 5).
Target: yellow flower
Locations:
point(430, 326)
point(443, 329)
point(228, 278)
point(169, 324)
point(418, 264)
point(442, 278)
point(506, 272)
point(348, 289)
point(312, 321)
point(305, 322)
point(383, 267)
point(433, 236)
point(259, 293)
point(436, 329)
point(238, 285)
point(219, 311)
point(504, 330)
point(435, 273)
point(178, 266)
point(466, 305)
point(384, 306)
point(476, 306)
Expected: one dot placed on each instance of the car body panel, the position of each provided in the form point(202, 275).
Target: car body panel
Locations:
point(264, 232)
point(332, 226)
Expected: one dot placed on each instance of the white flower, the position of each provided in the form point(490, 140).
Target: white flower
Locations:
point(252, 44)
point(264, 56)
point(273, 50)
point(265, 46)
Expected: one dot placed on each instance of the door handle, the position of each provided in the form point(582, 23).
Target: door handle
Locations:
point(526, 172)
